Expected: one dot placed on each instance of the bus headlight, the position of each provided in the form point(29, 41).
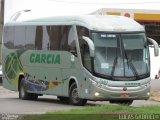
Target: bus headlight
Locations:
point(96, 94)
point(148, 93)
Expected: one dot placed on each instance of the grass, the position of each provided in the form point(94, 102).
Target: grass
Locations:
point(107, 112)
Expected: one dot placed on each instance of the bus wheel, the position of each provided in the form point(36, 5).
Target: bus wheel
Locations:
point(63, 99)
point(73, 96)
point(126, 102)
point(23, 94)
point(122, 102)
point(33, 96)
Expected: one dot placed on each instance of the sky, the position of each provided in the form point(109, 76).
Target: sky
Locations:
point(42, 8)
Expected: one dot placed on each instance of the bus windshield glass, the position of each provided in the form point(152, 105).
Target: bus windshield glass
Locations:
point(121, 56)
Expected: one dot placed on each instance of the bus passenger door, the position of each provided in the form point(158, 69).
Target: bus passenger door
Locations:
point(70, 61)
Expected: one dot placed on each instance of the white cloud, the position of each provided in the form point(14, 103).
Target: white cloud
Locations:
point(42, 8)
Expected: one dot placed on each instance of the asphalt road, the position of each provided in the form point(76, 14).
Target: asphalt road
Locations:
point(155, 84)
point(11, 104)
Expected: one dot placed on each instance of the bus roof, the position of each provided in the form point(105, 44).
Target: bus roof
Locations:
point(92, 22)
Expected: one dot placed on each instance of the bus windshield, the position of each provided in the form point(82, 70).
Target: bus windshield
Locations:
point(121, 56)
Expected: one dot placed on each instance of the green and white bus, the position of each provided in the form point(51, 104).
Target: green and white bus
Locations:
point(78, 58)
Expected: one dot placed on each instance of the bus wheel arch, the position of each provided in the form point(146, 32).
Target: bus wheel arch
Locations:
point(23, 94)
point(19, 81)
point(73, 94)
point(71, 82)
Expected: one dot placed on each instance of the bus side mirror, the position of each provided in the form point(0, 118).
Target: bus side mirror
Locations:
point(155, 45)
point(90, 44)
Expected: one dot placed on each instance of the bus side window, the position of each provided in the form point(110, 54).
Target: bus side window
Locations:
point(84, 49)
point(82, 32)
point(8, 37)
point(72, 41)
point(38, 37)
point(64, 40)
point(54, 37)
point(30, 37)
point(19, 38)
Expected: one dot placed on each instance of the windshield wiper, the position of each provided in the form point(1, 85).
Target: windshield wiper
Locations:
point(114, 65)
point(130, 64)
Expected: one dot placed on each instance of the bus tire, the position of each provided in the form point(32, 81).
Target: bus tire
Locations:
point(125, 102)
point(73, 96)
point(33, 96)
point(63, 99)
point(23, 94)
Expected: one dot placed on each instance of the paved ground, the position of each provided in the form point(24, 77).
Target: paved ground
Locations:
point(155, 90)
point(155, 84)
point(9, 102)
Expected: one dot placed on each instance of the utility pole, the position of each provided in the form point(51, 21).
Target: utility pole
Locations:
point(1, 23)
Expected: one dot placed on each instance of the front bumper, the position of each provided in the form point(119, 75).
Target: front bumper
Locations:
point(120, 93)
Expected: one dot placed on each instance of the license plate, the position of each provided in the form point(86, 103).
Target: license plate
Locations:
point(124, 95)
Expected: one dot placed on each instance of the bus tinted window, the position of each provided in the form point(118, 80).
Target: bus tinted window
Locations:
point(54, 37)
point(84, 48)
point(19, 37)
point(30, 37)
point(41, 38)
point(72, 41)
point(64, 40)
point(9, 37)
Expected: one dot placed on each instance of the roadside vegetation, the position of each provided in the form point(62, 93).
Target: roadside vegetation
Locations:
point(107, 112)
